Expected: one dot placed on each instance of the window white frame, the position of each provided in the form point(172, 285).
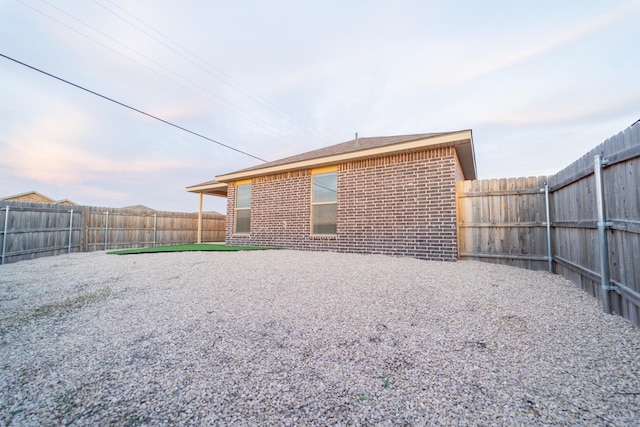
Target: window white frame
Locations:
point(324, 202)
point(242, 209)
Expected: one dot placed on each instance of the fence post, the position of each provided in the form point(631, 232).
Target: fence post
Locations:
point(86, 220)
point(155, 228)
point(4, 232)
point(70, 228)
point(605, 276)
point(546, 202)
point(106, 230)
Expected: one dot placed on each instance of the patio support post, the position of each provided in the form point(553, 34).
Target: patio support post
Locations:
point(155, 228)
point(200, 219)
point(106, 230)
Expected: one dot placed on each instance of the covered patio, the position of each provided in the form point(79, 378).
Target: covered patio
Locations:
point(212, 188)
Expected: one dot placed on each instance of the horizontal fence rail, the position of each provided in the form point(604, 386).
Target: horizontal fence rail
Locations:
point(588, 233)
point(32, 230)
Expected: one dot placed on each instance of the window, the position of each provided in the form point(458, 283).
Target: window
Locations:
point(243, 208)
point(324, 202)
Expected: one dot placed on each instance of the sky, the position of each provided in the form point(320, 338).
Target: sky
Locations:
point(539, 84)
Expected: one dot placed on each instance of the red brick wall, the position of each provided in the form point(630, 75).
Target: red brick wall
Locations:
point(398, 205)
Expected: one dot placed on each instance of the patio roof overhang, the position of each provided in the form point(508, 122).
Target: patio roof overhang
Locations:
point(212, 188)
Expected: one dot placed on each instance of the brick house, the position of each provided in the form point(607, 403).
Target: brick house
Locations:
point(35, 197)
point(389, 195)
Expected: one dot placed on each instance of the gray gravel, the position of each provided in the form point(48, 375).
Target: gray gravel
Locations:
point(306, 338)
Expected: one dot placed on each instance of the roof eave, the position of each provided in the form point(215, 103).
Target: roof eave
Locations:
point(455, 139)
point(211, 188)
point(467, 158)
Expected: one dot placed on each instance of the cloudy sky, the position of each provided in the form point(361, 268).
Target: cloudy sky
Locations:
point(539, 83)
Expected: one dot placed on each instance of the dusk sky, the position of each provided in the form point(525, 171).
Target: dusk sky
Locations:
point(539, 83)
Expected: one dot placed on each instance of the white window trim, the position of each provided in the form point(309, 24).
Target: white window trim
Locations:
point(314, 173)
point(236, 209)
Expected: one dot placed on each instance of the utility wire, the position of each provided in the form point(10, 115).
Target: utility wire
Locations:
point(219, 74)
point(132, 108)
point(236, 110)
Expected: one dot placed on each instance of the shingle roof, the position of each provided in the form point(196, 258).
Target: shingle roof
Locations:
point(345, 147)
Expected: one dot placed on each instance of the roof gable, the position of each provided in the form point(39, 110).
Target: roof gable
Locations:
point(355, 145)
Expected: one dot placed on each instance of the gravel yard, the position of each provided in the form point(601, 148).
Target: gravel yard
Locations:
point(306, 338)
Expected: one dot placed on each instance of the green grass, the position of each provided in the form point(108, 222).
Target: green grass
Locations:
point(187, 248)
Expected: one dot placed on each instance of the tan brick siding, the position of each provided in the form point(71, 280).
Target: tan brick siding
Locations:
point(396, 205)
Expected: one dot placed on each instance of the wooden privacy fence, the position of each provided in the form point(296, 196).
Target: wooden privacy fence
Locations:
point(587, 229)
point(32, 230)
point(596, 217)
point(504, 220)
point(116, 229)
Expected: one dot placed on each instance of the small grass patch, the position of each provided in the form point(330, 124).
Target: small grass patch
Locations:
point(187, 248)
point(386, 382)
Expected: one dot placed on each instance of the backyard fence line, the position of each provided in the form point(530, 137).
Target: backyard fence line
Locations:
point(504, 220)
point(32, 230)
point(581, 227)
point(593, 225)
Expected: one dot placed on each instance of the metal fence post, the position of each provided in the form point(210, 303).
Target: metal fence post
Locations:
point(4, 232)
point(546, 201)
point(70, 228)
point(106, 230)
point(605, 275)
point(155, 228)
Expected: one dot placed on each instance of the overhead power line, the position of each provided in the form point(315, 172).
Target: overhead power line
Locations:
point(203, 91)
point(218, 73)
point(132, 108)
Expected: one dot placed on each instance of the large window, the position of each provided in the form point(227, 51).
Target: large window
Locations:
point(243, 209)
point(324, 201)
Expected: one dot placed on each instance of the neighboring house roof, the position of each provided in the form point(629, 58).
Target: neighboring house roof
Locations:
point(356, 149)
point(29, 196)
point(35, 197)
point(65, 202)
point(139, 207)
